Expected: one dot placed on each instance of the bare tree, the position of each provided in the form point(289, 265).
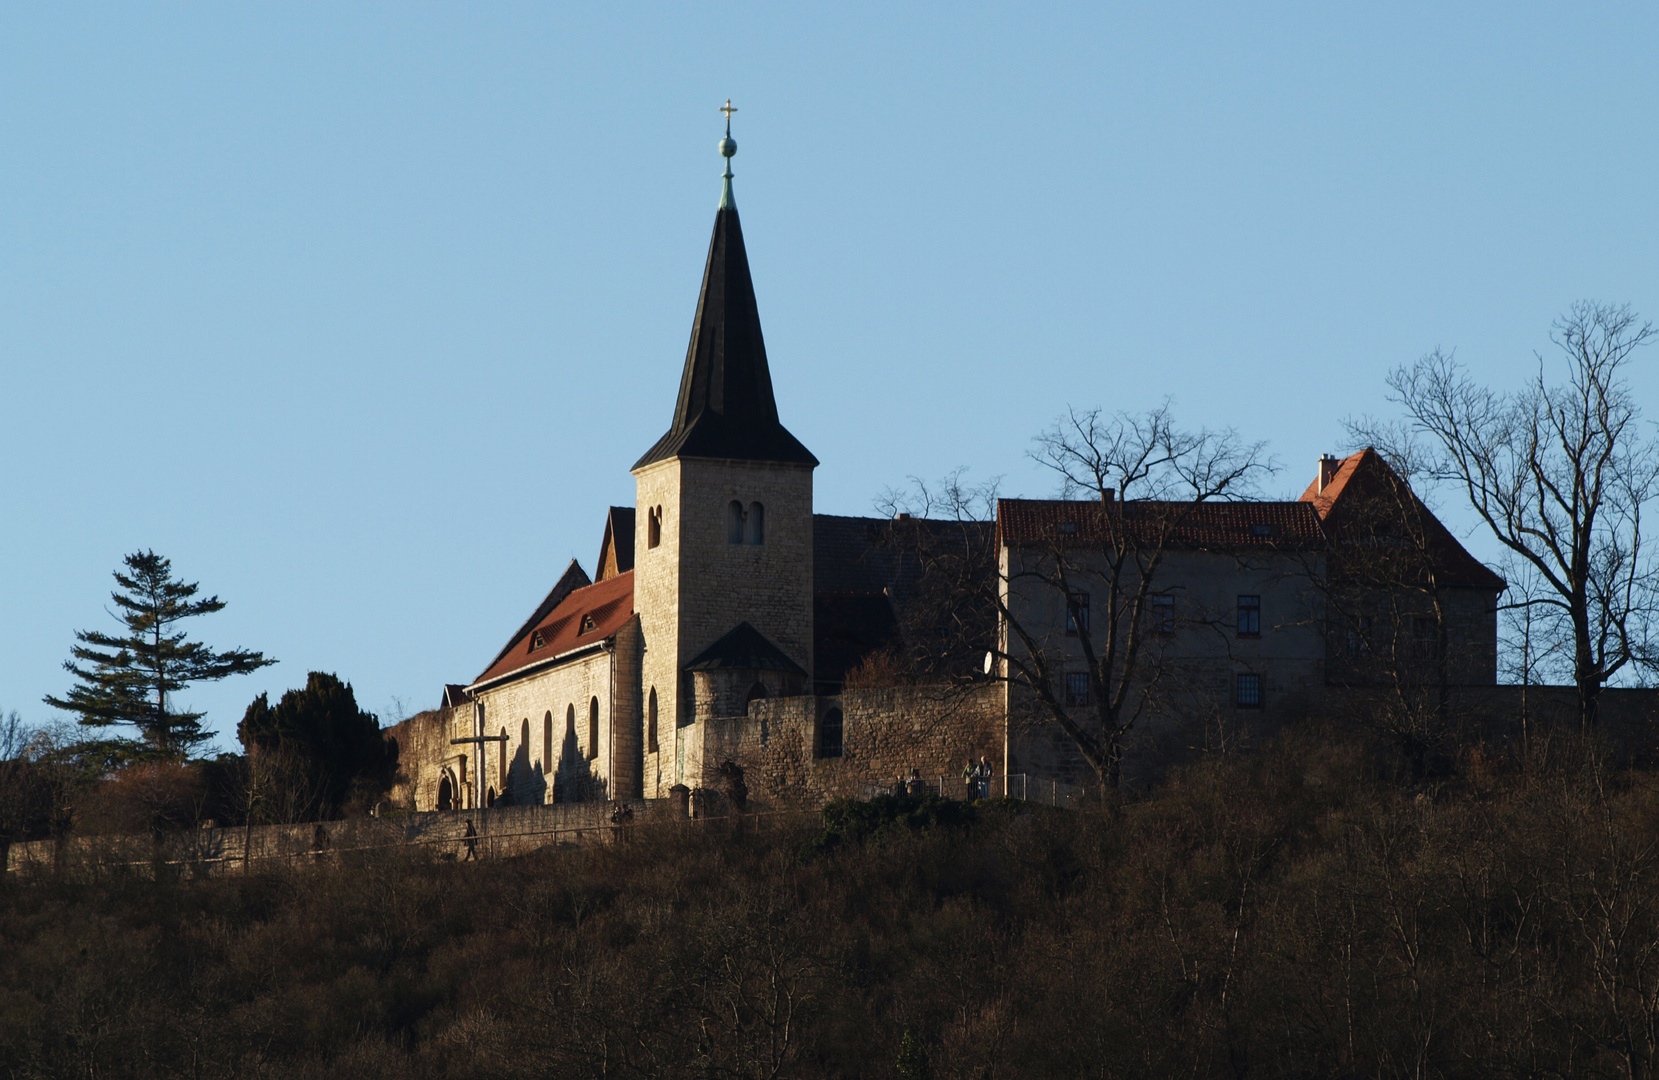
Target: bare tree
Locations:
point(1138, 480)
point(1561, 475)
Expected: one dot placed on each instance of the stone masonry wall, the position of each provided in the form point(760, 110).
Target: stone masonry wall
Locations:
point(425, 753)
point(545, 716)
point(885, 734)
point(695, 586)
point(502, 831)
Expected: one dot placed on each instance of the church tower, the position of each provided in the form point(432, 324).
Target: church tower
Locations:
point(723, 544)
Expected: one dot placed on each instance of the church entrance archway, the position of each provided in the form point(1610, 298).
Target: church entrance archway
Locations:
point(446, 793)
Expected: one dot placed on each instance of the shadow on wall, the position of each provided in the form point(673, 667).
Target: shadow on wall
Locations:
point(574, 779)
point(526, 782)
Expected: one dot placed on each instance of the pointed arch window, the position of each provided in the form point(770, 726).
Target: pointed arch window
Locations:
point(756, 693)
point(653, 526)
point(547, 741)
point(570, 721)
point(651, 723)
point(593, 728)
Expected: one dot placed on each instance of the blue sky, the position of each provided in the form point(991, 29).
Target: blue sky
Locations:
point(360, 312)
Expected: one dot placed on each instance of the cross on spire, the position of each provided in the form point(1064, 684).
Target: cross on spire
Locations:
point(728, 108)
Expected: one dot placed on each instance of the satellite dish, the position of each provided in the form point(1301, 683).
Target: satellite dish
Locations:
point(990, 662)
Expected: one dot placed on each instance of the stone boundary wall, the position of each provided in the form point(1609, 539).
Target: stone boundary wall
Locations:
point(885, 734)
point(502, 831)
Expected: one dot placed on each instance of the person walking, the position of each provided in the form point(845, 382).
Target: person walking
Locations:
point(471, 840)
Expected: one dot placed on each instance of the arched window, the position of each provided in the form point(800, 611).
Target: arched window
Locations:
point(570, 721)
point(446, 793)
point(756, 693)
point(829, 734)
point(651, 723)
point(501, 760)
point(734, 522)
point(489, 797)
point(547, 741)
point(653, 526)
point(593, 728)
point(755, 526)
point(524, 737)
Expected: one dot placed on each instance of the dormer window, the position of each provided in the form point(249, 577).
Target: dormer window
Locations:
point(588, 625)
point(1068, 527)
point(1261, 529)
point(538, 640)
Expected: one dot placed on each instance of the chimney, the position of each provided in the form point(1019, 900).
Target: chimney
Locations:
point(1328, 464)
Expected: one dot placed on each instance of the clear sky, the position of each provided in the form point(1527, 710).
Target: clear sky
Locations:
point(360, 313)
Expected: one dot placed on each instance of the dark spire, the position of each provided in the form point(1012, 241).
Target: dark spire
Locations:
point(726, 408)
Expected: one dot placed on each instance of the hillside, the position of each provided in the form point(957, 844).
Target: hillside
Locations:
point(1288, 914)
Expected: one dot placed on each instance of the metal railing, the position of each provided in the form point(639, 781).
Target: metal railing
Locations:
point(1019, 786)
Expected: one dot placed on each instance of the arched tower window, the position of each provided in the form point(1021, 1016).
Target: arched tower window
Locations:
point(734, 522)
point(755, 527)
point(547, 741)
point(653, 526)
point(829, 734)
point(593, 728)
point(756, 693)
point(651, 722)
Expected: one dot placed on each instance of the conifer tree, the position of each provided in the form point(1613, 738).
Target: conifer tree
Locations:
point(130, 679)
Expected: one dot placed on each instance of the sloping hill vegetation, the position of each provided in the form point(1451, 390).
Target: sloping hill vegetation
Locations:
point(1291, 913)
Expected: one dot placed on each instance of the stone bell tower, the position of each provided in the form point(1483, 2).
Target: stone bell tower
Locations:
point(723, 544)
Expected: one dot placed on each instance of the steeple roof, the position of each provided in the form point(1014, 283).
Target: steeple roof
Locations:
point(726, 408)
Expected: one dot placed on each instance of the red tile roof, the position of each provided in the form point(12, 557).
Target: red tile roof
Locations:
point(585, 617)
point(1363, 498)
point(1199, 526)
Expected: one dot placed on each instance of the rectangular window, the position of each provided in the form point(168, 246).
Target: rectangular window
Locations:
point(1247, 692)
point(1163, 614)
point(1077, 612)
point(1425, 637)
point(1077, 688)
point(1359, 637)
point(1250, 616)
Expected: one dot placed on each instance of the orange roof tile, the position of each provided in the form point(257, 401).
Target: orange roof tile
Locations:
point(1201, 525)
point(585, 617)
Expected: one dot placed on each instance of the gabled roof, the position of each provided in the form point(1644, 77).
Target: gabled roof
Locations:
point(616, 550)
point(726, 408)
point(1366, 501)
point(572, 579)
point(1196, 526)
point(585, 616)
point(745, 648)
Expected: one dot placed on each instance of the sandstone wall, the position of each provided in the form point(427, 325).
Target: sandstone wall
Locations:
point(425, 754)
point(885, 734)
point(502, 831)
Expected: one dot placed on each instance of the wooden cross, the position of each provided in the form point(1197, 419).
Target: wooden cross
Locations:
point(479, 770)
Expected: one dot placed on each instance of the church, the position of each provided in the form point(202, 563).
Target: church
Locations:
point(707, 596)
point(723, 616)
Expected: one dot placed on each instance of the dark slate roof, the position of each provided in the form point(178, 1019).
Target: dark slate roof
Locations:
point(872, 591)
point(726, 408)
point(619, 538)
point(1202, 526)
point(745, 648)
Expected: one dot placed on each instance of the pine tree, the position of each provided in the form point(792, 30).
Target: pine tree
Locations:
point(315, 749)
point(130, 679)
